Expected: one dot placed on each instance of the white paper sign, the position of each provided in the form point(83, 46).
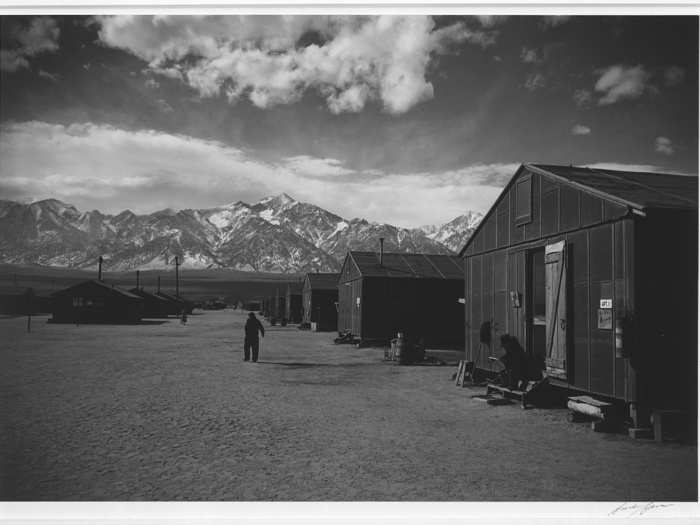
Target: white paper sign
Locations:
point(606, 303)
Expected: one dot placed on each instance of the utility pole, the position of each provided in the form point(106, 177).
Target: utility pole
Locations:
point(177, 276)
point(29, 304)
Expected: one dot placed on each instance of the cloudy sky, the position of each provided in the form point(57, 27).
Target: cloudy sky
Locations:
point(407, 120)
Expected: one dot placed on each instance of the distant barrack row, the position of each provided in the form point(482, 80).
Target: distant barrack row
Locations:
point(592, 272)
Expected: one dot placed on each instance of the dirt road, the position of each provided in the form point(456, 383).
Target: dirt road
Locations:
point(171, 412)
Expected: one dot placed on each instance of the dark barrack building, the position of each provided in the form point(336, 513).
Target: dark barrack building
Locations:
point(266, 302)
point(176, 304)
point(595, 273)
point(293, 302)
point(154, 306)
point(319, 301)
point(19, 300)
point(95, 302)
point(277, 305)
point(380, 295)
point(252, 305)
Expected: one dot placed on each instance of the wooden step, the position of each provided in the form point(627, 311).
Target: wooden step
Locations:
point(590, 407)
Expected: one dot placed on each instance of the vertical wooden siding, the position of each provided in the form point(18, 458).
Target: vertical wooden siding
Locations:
point(600, 256)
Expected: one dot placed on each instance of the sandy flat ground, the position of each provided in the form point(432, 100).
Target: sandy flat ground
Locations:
point(171, 412)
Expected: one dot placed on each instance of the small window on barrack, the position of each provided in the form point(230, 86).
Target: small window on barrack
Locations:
point(523, 200)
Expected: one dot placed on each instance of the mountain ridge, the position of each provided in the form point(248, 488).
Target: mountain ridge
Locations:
point(276, 234)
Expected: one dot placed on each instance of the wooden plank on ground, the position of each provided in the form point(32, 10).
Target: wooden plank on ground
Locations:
point(459, 381)
point(590, 401)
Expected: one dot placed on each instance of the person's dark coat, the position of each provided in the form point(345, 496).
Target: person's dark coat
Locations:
point(252, 326)
point(251, 344)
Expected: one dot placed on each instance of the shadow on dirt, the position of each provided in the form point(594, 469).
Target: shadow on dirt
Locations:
point(313, 365)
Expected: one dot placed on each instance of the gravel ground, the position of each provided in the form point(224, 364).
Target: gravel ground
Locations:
point(171, 412)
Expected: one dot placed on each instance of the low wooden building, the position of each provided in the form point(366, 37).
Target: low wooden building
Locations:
point(278, 305)
point(176, 304)
point(293, 302)
point(95, 302)
point(320, 301)
point(595, 273)
point(154, 306)
point(417, 294)
point(19, 300)
point(266, 307)
point(252, 305)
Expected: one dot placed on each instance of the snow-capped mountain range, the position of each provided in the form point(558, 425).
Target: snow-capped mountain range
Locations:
point(277, 234)
point(455, 233)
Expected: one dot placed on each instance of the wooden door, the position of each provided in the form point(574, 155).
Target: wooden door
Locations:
point(555, 278)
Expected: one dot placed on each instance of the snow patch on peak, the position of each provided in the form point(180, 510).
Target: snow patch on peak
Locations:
point(195, 261)
point(342, 225)
point(278, 200)
point(55, 205)
point(234, 205)
point(226, 216)
point(455, 233)
point(268, 215)
point(472, 219)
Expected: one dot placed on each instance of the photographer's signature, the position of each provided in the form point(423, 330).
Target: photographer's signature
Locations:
point(637, 509)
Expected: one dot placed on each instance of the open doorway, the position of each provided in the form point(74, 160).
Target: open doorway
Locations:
point(536, 306)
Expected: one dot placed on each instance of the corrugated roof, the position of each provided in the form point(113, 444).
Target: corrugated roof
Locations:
point(641, 190)
point(147, 295)
point(412, 265)
point(15, 290)
point(323, 281)
point(95, 282)
point(169, 297)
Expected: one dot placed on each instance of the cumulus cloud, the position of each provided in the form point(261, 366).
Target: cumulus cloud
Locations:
point(530, 56)
point(48, 76)
point(306, 165)
point(580, 129)
point(621, 82)
point(25, 41)
point(534, 82)
point(645, 168)
point(350, 60)
point(152, 83)
point(663, 145)
point(553, 21)
point(11, 61)
point(163, 106)
point(674, 75)
point(492, 20)
point(111, 169)
point(582, 97)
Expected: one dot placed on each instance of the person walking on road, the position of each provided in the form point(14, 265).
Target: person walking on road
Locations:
point(252, 327)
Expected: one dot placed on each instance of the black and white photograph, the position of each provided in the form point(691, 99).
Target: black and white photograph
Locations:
point(340, 254)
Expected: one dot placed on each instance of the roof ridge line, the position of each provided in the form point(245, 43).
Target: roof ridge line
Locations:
point(452, 258)
point(425, 256)
point(415, 273)
point(583, 187)
point(642, 185)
